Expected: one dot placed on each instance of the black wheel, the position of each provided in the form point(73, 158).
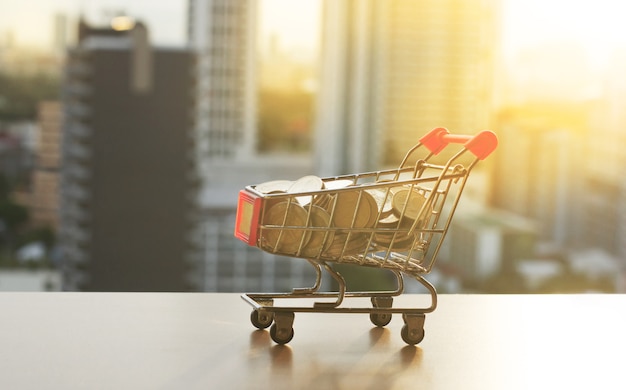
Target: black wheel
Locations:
point(261, 320)
point(280, 337)
point(380, 319)
point(413, 336)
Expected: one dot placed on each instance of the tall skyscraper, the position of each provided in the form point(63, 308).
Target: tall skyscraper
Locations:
point(45, 196)
point(127, 173)
point(223, 34)
point(393, 70)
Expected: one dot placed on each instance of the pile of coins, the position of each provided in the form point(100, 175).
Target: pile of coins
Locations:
point(333, 224)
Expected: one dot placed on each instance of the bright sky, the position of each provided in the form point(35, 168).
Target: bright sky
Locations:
point(32, 20)
point(597, 25)
point(166, 19)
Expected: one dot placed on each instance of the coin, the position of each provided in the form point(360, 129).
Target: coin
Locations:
point(274, 186)
point(373, 206)
point(320, 239)
point(408, 203)
point(288, 216)
point(397, 244)
point(395, 232)
point(322, 200)
point(344, 245)
point(383, 197)
point(306, 184)
point(390, 221)
point(353, 209)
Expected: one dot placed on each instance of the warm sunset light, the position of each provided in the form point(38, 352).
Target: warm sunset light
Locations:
point(122, 23)
point(596, 26)
point(201, 192)
point(295, 23)
point(342, 86)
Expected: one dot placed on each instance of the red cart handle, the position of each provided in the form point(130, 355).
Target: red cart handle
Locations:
point(481, 144)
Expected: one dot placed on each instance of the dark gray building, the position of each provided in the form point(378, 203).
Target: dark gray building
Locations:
point(128, 182)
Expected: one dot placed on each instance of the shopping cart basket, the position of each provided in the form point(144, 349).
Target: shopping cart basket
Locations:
point(392, 219)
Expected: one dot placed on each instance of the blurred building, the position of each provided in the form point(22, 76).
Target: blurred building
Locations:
point(44, 202)
point(393, 70)
point(605, 217)
point(600, 268)
point(128, 179)
point(16, 159)
point(490, 243)
point(539, 168)
point(223, 35)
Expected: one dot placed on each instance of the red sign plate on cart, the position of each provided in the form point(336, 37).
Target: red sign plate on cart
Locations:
point(247, 221)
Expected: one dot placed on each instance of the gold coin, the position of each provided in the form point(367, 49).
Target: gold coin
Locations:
point(408, 203)
point(389, 222)
point(395, 230)
point(347, 246)
point(373, 206)
point(291, 219)
point(349, 212)
point(396, 244)
point(382, 197)
point(322, 239)
point(322, 200)
point(306, 184)
point(274, 186)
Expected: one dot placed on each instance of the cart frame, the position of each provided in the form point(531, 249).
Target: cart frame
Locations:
point(415, 260)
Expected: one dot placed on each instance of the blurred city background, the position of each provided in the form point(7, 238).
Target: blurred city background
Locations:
point(127, 129)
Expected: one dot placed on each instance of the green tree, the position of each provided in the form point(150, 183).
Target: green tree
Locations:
point(20, 94)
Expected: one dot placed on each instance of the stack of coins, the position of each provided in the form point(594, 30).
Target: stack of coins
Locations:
point(306, 184)
point(389, 211)
point(287, 219)
point(320, 239)
point(353, 209)
point(274, 187)
point(346, 244)
point(406, 204)
point(323, 199)
point(288, 236)
point(383, 197)
point(393, 234)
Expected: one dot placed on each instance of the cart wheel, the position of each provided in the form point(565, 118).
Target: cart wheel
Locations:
point(380, 319)
point(412, 336)
point(281, 337)
point(261, 320)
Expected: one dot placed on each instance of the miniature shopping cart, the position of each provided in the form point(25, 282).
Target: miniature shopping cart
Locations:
point(392, 219)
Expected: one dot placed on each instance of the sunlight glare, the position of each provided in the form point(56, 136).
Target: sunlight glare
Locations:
point(295, 23)
point(597, 26)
